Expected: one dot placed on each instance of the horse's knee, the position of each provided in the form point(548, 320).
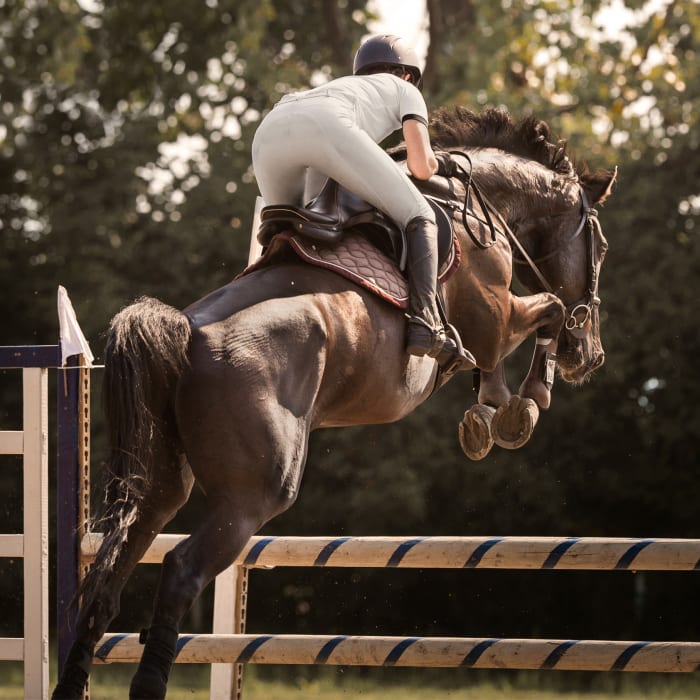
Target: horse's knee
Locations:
point(553, 316)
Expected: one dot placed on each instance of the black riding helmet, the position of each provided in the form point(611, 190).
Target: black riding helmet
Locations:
point(387, 49)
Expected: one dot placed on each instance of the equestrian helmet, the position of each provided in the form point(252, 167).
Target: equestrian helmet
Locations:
point(387, 49)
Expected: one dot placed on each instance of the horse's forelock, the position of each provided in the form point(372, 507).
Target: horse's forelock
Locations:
point(494, 128)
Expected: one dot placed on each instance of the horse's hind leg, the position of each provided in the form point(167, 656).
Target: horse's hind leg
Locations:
point(187, 569)
point(102, 591)
point(248, 476)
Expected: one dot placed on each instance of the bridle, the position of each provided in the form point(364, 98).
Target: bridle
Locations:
point(578, 313)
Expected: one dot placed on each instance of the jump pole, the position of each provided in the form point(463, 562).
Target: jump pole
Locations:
point(545, 553)
point(570, 553)
point(420, 652)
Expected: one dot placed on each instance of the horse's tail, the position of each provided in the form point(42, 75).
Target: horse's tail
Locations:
point(145, 354)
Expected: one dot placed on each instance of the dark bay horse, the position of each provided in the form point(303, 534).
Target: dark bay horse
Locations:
point(228, 391)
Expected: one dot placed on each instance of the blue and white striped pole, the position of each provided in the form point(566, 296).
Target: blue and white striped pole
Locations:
point(433, 652)
point(564, 553)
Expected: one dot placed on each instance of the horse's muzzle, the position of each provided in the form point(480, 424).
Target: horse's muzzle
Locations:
point(574, 367)
point(579, 357)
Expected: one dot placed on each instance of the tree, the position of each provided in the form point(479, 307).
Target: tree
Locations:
point(125, 134)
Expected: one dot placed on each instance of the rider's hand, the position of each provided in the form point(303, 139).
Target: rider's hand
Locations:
point(446, 166)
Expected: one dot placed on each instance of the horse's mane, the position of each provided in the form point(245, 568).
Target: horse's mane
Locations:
point(494, 128)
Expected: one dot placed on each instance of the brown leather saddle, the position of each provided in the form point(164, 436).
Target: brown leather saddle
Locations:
point(338, 225)
point(336, 210)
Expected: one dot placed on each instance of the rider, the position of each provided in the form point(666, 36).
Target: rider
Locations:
point(335, 130)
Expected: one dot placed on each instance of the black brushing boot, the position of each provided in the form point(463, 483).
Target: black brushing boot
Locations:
point(75, 674)
point(151, 679)
point(426, 334)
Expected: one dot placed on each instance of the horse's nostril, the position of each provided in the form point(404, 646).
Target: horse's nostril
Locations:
point(599, 360)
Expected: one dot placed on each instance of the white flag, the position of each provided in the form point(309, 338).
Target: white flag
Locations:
point(73, 342)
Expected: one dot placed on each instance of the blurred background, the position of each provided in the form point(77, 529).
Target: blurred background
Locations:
point(125, 133)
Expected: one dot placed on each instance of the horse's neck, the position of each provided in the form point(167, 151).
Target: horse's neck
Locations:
point(520, 188)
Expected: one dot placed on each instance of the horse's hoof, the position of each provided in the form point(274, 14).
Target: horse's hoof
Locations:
point(475, 431)
point(512, 425)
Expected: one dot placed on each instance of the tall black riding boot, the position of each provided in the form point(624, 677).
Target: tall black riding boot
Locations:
point(426, 334)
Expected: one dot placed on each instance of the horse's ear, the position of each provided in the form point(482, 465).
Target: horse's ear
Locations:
point(599, 185)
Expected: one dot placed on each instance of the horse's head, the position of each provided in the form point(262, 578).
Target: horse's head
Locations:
point(547, 201)
point(568, 248)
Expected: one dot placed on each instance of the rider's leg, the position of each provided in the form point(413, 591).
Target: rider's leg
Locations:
point(354, 160)
point(426, 334)
point(279, 162)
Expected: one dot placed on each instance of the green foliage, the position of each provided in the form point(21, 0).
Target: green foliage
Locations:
point(125, 137)
point(125, 133)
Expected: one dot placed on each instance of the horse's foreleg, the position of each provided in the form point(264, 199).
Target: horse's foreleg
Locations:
point(475, 428)
point(542, 314)
point(493, 389)
point(549, 314)
point(537, 385)
point(514, 422)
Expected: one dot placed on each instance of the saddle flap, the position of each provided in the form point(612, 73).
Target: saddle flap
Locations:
point(355, 258)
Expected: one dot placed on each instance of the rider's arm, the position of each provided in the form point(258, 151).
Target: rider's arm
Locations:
point(419, 153)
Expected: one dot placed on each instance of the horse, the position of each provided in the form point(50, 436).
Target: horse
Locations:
point(227, 391)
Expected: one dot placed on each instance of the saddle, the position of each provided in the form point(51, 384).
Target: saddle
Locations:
point(326, 218)
point(336, 211)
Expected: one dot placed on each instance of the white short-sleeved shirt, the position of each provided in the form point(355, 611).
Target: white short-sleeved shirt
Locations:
point(380, 102)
